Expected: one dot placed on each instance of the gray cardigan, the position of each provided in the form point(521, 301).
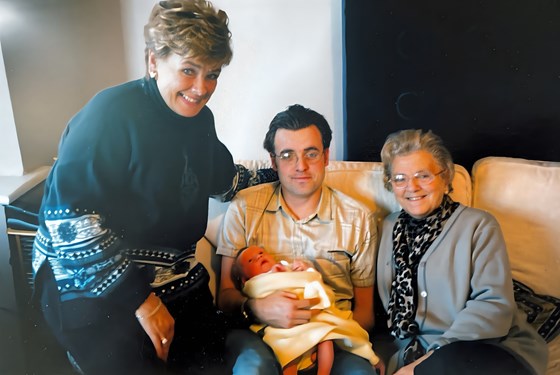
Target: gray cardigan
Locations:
point(465, 289)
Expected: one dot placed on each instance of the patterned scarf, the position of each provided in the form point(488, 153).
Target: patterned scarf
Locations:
point(411, 239)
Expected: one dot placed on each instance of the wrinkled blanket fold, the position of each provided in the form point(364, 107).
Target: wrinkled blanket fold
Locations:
point(330, 324)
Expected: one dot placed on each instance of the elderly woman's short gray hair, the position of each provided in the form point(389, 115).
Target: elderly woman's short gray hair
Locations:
point(188, 28)
point(407, 141)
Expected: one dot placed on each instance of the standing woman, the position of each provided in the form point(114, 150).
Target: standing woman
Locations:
point(135, 169)
point(443, 274)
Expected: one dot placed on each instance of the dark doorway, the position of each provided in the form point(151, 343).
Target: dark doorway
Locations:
point(484, 75)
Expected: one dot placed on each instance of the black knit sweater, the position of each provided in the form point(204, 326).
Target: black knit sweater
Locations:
point(130, 173)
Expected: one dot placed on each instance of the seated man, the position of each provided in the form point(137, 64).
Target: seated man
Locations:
point(299, 218)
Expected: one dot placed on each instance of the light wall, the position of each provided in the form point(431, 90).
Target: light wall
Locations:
point(57, 55)
point(64, 51)
point(10, 155)
point(285, 52)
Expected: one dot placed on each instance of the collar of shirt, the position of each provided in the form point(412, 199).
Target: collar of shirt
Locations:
point(324, 211)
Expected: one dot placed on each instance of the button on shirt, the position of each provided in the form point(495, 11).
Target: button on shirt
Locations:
point(340, 239)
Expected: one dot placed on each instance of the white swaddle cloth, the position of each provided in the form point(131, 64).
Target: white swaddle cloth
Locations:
point(330, 324)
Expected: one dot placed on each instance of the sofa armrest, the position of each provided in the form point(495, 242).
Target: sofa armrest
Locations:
point(206, 254)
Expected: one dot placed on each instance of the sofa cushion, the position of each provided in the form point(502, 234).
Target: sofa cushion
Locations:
point(524, 196)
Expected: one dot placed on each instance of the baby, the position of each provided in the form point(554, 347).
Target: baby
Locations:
point(257, 274)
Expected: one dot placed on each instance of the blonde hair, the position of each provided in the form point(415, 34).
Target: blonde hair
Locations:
point(407, 141)
point(188, 28)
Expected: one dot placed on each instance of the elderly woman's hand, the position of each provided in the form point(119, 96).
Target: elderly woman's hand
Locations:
point(409, 369)
point(158, 323)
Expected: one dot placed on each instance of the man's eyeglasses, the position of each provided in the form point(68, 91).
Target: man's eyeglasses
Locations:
point(422, 178)
point(291, 157)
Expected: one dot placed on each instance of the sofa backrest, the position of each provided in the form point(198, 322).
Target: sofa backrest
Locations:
point(524, 196)
point(364, 181)
point(361, 180)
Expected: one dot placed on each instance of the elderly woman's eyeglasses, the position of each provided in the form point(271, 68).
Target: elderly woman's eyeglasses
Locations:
point(290, 157)
point(422, 178)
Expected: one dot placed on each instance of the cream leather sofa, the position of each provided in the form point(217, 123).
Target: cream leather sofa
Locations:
point(524, 196)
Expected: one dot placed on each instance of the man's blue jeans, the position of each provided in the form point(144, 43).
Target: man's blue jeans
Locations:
point(247, 354)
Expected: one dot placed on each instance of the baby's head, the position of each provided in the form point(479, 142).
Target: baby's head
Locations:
point(249, 262)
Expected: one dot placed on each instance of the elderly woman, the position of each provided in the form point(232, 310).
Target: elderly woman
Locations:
point(443, 274)
point(130, 190)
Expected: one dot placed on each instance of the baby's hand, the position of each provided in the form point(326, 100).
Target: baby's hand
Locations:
point(279, 267)
point(301, 265)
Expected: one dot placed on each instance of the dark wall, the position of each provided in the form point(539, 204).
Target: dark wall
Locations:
point(484, 75)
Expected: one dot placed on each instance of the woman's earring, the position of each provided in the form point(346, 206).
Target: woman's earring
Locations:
point(153, 74)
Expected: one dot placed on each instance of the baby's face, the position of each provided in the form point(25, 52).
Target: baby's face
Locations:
point(255, 260)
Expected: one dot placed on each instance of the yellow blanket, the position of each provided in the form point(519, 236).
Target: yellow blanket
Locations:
point(331, 324)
